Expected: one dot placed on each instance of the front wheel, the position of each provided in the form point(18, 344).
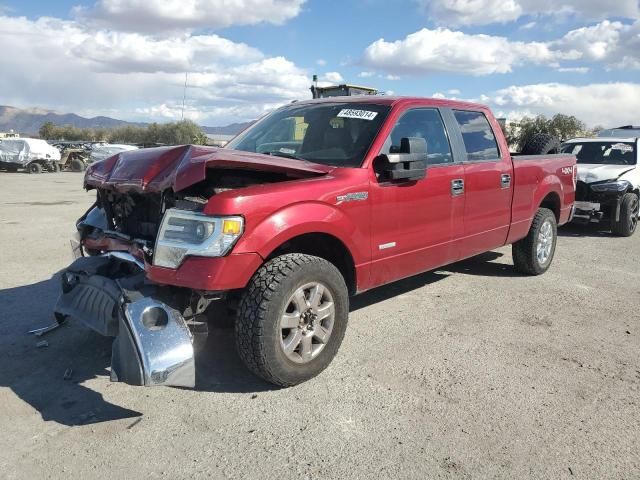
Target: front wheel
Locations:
point(533, 254)
point(292, 319)
point(626, 226)
point(35, 168)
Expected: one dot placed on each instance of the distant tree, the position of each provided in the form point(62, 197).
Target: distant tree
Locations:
point(47, 131)
point(561, 126)
point(176, 133)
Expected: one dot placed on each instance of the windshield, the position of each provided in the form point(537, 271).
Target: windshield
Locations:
point(337, 134)
point(602, 153)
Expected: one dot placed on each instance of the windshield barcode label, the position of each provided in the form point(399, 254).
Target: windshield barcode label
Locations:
point(361, 114)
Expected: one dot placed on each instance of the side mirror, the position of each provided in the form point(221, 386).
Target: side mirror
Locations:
point(409, 163)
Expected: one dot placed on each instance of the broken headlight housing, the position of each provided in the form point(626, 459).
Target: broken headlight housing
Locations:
point(185, 233)
point(619, 186)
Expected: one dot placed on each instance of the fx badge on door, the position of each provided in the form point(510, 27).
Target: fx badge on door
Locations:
point(350, 197)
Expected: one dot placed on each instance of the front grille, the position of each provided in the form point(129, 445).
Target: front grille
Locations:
point(138, 216)
point(582, 191)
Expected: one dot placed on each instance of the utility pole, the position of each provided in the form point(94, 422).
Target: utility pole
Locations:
point(184, 94)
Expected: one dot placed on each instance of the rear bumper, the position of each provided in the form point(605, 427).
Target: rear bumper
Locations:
point(153, 344)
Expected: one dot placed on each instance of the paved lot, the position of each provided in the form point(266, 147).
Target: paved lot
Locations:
point(471, 371)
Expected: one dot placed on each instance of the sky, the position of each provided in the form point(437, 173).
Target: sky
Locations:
point(129, 59)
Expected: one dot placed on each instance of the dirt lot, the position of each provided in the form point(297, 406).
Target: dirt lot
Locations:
point(471, 371)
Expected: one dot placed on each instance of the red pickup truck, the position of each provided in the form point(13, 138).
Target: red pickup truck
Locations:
point(315, 202)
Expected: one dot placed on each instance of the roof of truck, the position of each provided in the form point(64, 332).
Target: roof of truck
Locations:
point(394, 100)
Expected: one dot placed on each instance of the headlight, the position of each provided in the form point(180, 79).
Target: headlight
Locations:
point(184, 233)
point(619, 186)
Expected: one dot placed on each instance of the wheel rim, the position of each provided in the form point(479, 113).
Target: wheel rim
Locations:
point(545, 242)
point(307, 322)
point(633, 216)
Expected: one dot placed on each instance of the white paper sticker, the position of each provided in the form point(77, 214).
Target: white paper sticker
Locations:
point(623, 147)
point(361, 114)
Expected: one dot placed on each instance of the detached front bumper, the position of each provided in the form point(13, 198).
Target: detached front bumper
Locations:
point(153, 344)
point(587, 212)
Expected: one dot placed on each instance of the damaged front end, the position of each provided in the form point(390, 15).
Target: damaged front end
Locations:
point(149, 218)
point(153, 344)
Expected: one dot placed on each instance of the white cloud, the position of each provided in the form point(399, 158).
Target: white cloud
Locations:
point(392, 77)
point(57, 64)
point(454, 91)
point(332, 77)
point(444, 50)
point(484, 12)
point(613, 43)
point(573, 70)
point(321, 61)
point(160, 16)
point(606, 104)
point(366, 74)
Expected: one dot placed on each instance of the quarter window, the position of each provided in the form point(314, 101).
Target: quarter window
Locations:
point(478, 138)
point(425, 123)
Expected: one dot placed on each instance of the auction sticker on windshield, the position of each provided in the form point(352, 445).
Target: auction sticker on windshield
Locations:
point(361, 114)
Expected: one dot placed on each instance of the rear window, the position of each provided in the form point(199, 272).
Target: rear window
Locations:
point(602, 153)
point(479, 140)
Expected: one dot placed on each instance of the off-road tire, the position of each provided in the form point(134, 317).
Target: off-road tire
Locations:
point(541, 144)
point(54, 168)
point(628, 222)
point(257, 328)
point(524, 252)
point(35, 168)
point(77, 165)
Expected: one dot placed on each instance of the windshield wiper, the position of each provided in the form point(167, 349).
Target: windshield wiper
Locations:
point(278, 153)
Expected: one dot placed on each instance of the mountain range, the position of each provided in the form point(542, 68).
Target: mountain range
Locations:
point(27, 121)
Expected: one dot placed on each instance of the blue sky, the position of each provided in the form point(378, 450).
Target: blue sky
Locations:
point(127, 58)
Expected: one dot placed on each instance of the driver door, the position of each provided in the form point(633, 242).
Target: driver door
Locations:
point(415, 224)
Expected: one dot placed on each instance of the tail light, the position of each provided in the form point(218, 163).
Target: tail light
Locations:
point(575, 176)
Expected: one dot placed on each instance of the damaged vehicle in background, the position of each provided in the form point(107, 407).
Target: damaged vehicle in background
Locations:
point(608, 187)
point(31, 154)
point(315, 202)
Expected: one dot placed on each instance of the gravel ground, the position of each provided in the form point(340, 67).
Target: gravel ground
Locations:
point(471, 371)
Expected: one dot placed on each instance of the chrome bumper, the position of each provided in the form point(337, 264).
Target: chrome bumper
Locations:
point(155, 339)
point(153, 345)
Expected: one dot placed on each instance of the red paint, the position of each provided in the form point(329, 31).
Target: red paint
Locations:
point(428, 226)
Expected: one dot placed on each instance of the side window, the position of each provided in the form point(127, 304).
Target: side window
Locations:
point(426, 123)
point(479, 140)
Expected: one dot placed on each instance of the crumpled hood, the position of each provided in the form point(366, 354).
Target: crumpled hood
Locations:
point(600, 173)
point(158, 169)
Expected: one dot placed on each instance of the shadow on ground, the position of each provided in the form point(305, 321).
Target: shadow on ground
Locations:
point(576, 230)
point(36, 375)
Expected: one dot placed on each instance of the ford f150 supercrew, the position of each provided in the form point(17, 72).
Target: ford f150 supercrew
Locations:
point(315, 202)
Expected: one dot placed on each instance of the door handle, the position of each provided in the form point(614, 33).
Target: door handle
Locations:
point(457, 187)
point(505, 180)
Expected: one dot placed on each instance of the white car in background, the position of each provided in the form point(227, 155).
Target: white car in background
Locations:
point(32, 154)
point(608, 185)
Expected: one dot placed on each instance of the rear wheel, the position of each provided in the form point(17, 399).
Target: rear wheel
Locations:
point(54, 167)
point(35, 168)
point(292, 319)
point(626, 226)
point(533, 254)
point(77, 165)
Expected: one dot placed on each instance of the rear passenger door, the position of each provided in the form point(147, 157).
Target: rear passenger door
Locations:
point(488, 178)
